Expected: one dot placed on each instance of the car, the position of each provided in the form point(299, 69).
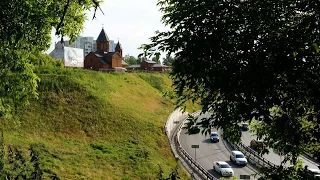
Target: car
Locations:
point(214, 137)
point(194, 129)
point(315, 173)
point(238, 158)
point(245, 126)
point(223, 168)
point(257, 144)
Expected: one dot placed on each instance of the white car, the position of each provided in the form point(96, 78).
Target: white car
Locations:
point(315, 173)
point(238, 158)
point(223, 168)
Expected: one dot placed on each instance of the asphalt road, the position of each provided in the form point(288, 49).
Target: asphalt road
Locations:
point(209, 152)
point(272, 156)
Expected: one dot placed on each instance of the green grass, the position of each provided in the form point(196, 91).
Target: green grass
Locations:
point(93, 125)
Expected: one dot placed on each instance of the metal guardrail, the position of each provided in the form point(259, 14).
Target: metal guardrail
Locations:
point(312, 159)
point(202, 171)
point(252, 156)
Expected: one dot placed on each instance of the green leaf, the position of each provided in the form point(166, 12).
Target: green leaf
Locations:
point(316, 47)
point(294, 53)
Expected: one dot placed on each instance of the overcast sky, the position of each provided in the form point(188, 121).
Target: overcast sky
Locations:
point(132, 21)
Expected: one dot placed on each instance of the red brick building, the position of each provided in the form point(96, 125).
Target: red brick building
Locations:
point(148, 66)
point(103, 59)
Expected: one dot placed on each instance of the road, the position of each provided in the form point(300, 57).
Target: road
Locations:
point(209, 152)
point(272, 156)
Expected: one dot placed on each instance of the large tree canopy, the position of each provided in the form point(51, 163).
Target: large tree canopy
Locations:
point(25, 28)
point(248, 59)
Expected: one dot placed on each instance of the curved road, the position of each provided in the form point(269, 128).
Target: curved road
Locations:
point(209, 152)
point(272, 156)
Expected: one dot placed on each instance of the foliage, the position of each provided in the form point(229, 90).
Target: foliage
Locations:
point(172, 176)
point(190, 121)
point(244, 58)
point(44, 60)
point(191, 125)
point(228, 178)
point(156, 59)
point(290, 173)
point(25, 28)
point(130, 60)
point(155, 80)
point(94, 125)
point(17, 166)
point(148, 52)
point(168, 60)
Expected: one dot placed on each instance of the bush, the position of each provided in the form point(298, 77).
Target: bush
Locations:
point(44, 60)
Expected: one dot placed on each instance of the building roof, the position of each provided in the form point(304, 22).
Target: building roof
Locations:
point(118, 46)
point(97, 54)
point(104, 54)
point(110, 53)
point(124, 63)
point(102, 36)
point(134, 66)
point(102, 61)
point(151, 62)
point(159, 65)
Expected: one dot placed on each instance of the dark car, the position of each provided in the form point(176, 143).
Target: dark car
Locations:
point(214, 137)
point(244, 126)
point(194, 129)
point(257, 144)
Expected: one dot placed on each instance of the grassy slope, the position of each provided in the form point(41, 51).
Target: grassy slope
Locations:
point(91, 125)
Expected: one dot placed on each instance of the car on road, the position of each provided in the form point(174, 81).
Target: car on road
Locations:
point(315, 173)
point(194, 129)
point(238, 158)
point(223, 168)
point(244, 126)
point(214, 137)
point(257, 144)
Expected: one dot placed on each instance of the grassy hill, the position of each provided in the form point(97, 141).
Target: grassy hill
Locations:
point(92, 125)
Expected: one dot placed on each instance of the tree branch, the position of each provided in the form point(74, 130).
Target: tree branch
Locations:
point(62, 18)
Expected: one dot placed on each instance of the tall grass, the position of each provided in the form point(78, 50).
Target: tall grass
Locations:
point(94, 125)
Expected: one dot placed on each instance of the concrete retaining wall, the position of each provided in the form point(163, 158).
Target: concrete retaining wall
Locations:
point(174, 119)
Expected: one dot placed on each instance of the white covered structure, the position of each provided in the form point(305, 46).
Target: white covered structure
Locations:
point(72, 57)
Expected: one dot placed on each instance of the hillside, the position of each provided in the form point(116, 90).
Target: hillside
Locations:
point(91, 125)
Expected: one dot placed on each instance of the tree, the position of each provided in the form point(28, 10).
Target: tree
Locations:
point(172, 176)
point(167, 60)
point(25, 28)
point(191, 125)
point(130, 60)
point(15, 165)
point(243, 59)
point(156, 57)
point(148, 52)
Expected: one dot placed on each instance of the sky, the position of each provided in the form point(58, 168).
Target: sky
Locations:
point(133, 22)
